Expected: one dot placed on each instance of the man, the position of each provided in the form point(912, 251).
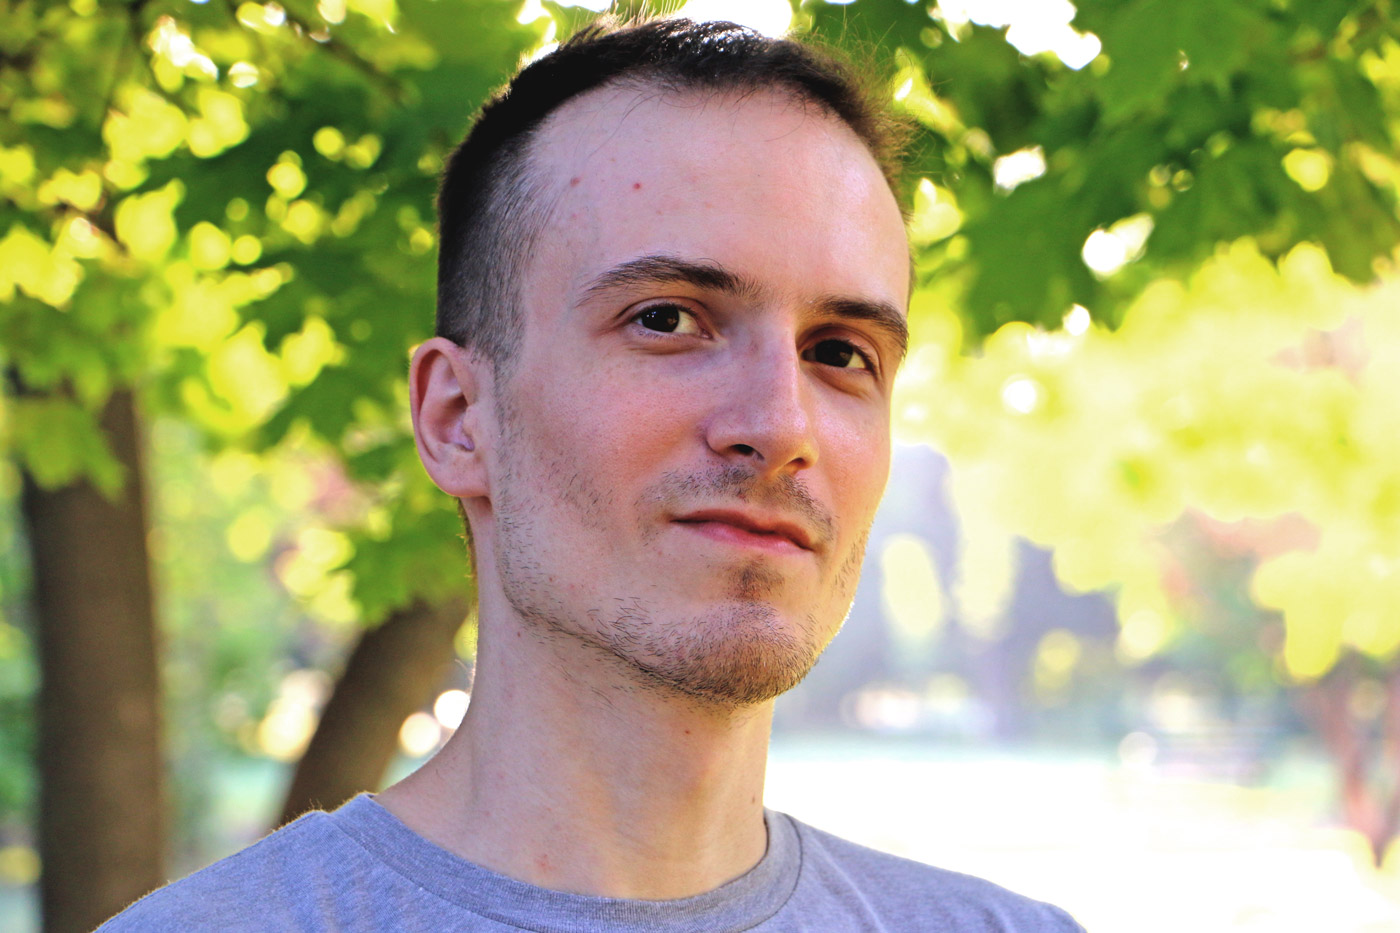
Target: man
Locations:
point(672, 292)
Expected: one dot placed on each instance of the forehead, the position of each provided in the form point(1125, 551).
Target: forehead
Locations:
point(760, 182)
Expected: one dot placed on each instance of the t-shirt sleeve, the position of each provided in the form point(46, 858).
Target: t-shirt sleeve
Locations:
point(849, 886)
point(273, 884)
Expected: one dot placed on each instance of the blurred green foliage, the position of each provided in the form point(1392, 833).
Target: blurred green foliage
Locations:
point(1212, 121)
point(17, 680)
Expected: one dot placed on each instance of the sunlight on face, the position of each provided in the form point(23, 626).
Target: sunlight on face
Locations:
point(770, 17)
point(746, 399)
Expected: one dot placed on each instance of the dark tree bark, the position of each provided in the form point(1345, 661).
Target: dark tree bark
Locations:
point(101, 810)
point(392, 671)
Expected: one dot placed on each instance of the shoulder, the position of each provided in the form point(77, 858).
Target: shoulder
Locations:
point(902, 894)
point(265, 886)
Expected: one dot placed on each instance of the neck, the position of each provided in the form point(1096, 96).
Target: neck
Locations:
point(564, 776)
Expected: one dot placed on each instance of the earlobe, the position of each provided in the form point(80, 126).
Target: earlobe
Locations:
point(445, 383)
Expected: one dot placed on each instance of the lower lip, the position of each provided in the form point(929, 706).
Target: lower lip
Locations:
point(742, 537)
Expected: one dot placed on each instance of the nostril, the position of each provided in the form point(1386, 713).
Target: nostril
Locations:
point(745, 449)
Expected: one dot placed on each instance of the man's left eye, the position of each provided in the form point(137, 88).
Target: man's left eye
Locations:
point(839, 353)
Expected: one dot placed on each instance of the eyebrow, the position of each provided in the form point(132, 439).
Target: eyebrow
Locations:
point(882, 314)
point(661, 269)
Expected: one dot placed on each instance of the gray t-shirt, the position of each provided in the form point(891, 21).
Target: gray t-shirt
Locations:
point(359, 868)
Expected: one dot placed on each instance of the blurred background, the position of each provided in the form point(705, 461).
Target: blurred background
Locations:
point(1126, 638)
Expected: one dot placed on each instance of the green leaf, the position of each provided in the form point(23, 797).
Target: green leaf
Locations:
point(325, 405)
point(59, 442)
point(1156, 45)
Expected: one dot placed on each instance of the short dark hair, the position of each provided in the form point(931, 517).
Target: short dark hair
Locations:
point(490, 205)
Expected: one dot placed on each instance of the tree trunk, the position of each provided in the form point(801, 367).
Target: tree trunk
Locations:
point(392, 672)
point(101, 810)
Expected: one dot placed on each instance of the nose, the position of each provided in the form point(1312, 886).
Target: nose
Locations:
point(763, 416)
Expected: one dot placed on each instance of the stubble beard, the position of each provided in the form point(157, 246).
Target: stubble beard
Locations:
point(741, 653)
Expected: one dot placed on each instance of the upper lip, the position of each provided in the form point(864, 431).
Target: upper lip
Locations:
point(761, 524)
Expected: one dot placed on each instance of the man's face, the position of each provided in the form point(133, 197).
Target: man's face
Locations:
point(693, 440)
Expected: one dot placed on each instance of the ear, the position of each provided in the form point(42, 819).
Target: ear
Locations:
point(444, 385)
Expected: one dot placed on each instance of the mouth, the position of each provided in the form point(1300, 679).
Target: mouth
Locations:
point(748, 530)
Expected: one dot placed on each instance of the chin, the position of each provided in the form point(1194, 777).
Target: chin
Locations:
point(743, 654)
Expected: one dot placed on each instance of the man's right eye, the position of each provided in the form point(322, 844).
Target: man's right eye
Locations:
point(668, 319)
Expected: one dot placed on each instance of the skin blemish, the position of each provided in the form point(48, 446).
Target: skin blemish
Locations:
point(636, 186)
point(573, 182)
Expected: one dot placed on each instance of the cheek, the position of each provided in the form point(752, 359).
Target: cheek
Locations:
point(602, 435)
point(629, 397)
point(858, 463)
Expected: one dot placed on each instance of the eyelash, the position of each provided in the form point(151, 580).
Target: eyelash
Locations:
point(855, 348)
point(636, 318)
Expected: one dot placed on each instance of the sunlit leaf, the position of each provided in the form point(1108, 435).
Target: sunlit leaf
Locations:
point(145, 223)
